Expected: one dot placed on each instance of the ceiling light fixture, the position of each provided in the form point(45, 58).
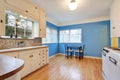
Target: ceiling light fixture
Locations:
point(73, 5)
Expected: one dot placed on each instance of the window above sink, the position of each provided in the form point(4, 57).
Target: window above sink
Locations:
point(19, 26)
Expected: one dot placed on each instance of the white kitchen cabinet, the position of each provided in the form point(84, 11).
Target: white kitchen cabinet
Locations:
point(25, 7)
point(33, 58)
point(115, 18)
point(26, 55)
point(2, 18)
point(42, 24)
point(12, 54)
point(44, 56)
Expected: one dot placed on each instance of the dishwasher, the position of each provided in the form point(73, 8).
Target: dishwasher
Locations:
point(111, 64)
point(105, 63)
point(114, 65)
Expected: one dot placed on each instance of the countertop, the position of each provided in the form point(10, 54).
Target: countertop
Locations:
point(21, 48)
point(9, 66)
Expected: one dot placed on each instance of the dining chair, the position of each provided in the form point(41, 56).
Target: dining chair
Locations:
point(80, 52)
point(69, 51)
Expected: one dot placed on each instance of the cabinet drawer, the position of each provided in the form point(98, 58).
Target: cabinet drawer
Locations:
point(12, 54)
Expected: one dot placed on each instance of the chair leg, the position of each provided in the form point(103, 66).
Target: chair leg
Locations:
point(71, 54)
point(67, 55)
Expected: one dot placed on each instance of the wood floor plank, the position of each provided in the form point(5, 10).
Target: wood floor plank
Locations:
point(61, 68)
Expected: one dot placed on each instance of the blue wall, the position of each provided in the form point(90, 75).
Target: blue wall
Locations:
point(95, 36)
point(119, 42)
point(53, 47)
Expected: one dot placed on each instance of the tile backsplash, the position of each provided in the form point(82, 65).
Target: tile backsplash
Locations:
point(13, 43)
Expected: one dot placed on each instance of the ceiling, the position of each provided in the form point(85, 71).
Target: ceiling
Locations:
point(58, 11)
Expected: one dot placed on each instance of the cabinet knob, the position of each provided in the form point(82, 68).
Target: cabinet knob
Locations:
point(36, 8)
point(39, 53)
point(31, 56)
point(1, 21)
point(40, 29)
point(26, 11)
point(113, 27)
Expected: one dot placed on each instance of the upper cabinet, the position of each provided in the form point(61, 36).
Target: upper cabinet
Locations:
point(2, 19)
point(115, 19)
point(42, 24)
point(26, 9)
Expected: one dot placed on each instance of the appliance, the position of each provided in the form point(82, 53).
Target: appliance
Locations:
point(111, 64)
point(73, 5)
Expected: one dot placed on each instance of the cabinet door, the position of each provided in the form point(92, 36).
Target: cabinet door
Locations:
point(24, 7)
point(33, 10)
point(12, 54)
point(42, 24)
point(2, 18)
point(26, 56)
point(115, 19)
point(35, 60)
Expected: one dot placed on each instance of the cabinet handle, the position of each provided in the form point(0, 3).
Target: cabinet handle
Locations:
point(36, 8)
point(26, 11)
point(31, 56)
point(113, 60)
point(1, 21)
point(39, 53)
point(104, 54)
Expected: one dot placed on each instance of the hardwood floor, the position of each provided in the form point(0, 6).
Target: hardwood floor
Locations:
point(61, 68)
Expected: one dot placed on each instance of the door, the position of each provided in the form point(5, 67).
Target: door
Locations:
point(26, 56)
point(35, 59)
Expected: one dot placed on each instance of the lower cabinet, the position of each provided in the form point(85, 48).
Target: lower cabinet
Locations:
point(26, 55)
point(12, 54)
point(33, 58)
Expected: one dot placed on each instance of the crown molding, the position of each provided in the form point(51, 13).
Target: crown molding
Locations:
point(90, 20)
point(97, 19)
point(52, 21)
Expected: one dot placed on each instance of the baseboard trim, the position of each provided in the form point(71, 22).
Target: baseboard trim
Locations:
point(93, 57)
point(53, 56)
point(84, 56)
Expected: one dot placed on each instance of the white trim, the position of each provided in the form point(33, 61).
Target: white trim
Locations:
point(90, 20)
point(53, 56)
point(84, 56)
point(52, 21)
point(93, 57)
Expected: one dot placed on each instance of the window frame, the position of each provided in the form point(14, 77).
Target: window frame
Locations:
point(69, 36)
point(52, 32)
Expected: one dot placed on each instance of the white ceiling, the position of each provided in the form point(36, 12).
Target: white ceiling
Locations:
point(58, 11)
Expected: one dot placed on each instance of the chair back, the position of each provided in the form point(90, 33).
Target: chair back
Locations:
point(83, 48)
point(66, 47)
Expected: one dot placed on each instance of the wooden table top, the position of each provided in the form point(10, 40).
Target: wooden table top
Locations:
point(9, 66)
